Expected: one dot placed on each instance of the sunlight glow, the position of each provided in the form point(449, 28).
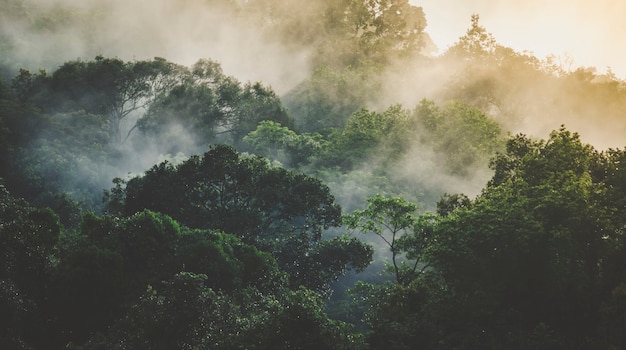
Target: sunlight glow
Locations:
point(590, 32)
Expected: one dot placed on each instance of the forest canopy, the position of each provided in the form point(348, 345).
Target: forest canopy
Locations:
point(379, 198)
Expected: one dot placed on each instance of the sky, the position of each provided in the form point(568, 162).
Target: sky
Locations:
point(591, 32)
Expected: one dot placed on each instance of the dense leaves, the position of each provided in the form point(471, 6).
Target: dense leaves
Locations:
point(109, 265)
point(274, 209)
point(531, 262)
point(329, 96)
point(127, 282)
point(246, 319)
point(538, 240)
point(29, 237)
point(278, 142)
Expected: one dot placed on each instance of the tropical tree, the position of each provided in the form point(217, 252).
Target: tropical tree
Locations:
point(111, 87)
point(532, 245)
point(270, 207)
point(275, 141)
point(396, 222)
point(104, 269)
point(212, 106)
point(28, 240)
point(182, 312)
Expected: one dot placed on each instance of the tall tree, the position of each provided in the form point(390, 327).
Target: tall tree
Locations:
point(531, 246)
point(112, 87)
point(396, 222)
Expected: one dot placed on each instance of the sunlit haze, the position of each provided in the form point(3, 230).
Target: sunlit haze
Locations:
point(589, 32)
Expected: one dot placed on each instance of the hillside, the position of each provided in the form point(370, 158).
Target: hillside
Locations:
point(272, 174)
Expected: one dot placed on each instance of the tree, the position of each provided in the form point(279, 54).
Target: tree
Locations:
point(533, 244)
point(212, 106)
point(396, 222)
point(182, 312)
point(272, 140)
point(104, 269)
point(345, 33)
point(450, 202)
point(476, 42)
point(394, 26)
point(155, 78)
point(29, 87)
point(365, 131)
point(28, 238)
point(112, 87)
point(270, 207)
point(329, 96)
point(255, 103)
point(67, 157)
point(483, 70)
point(399, 317)
point(463, 135)
point(505, 268)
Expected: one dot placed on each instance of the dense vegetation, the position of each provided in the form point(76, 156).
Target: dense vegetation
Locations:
point(146, 204)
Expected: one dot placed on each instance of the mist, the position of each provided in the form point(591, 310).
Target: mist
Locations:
point(180, 31)
point(44, 34)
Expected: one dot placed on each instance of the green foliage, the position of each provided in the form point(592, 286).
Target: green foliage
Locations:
point(222, 184)
point(396, 222)
point(366, 130)
point(505, 269)
point(103, 272)
point(369, 136)
point(208, 105)
point(274, 141)
point(450, 202)
point(106, 267)
point(533, 244)
point(329, 260)
point(400, 317)
point(111, 87)
point(28, 238)
point(30, 87)
point(212, 319)
point(463, 135)
point(62, 291)
point(329, 96)
point(272, 208)
point(67, 157)
point(228, 263)
point(255, 104)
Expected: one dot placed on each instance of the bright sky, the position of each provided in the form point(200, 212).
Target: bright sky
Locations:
point(591, 32)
